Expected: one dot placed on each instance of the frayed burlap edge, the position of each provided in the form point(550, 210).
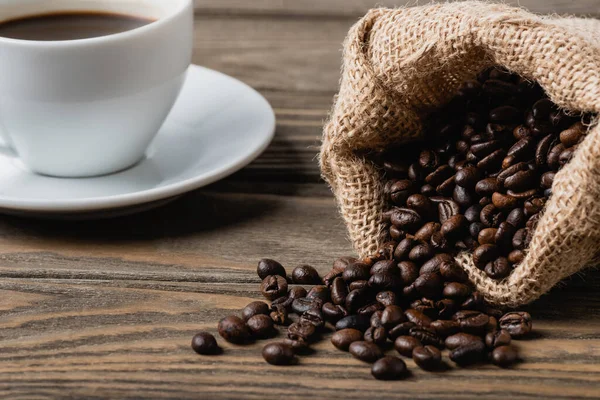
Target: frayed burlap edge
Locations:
point(398, 64)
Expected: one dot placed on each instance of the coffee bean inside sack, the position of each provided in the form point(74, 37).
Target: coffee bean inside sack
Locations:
point(478, 183)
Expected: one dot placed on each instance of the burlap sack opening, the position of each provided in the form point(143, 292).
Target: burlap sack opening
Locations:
point(400, 63)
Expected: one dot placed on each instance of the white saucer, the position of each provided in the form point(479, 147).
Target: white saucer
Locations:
point(218, 126)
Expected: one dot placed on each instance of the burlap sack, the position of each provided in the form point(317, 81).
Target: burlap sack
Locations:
point(400, 63)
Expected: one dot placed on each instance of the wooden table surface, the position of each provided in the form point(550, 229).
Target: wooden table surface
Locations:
point(107, 309)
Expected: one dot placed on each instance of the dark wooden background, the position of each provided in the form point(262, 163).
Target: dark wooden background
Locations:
point(107, 309)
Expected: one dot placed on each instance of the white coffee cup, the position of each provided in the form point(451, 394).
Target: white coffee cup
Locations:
point(89, 107)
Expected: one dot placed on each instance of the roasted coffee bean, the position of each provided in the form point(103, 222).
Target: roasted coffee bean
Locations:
point(542, 150)
point(392, 316)
point(301, 330)
point(395, 233)
point(445, 188)
point(333, 312)
point(445, 328)
point(234, 329)
point(475, 229)
point(446, 208)
point(439, 242)
point(299, 346)
point(518, 240)
point(516, 218)
point(385, 251)
point(429, 285)
point(386, 298)
point(468, 177)
point(402, 329)
point(404, 345)
point(491, 216)
point(400, 191)
point(451, 272)
point(305, 275)
point(278, 354)
point(483, 149)
point(377, 336)
point(460, 339)
point(473, 302)
point(487, 186)
point(517, 324)
point(468, 354)
point(405, 219)
point(204, 343)
point(358, 285)
point(439, 175)
point(484, 254)
point(446, 308)
point(261, 326)
point(566, 156)
point(547, 179)
point(472, 322)
point(359, 322)
point(302, 305)
point(314, 316)
point(395, 169)
point(416, 173)
point(427, 357)
point(356, 299)
point(428, 160)
point(255, 308)
point(433, 265)
point(426, 306)
point(297, 292)
point(268, 267)
point(320, 292)
point(339, 291)
point(421, 253)
point(417, 318)
point(515, 257)
point(504, 201)
point(521, 132)
point(505, 114)
point(421, 204)
point(384, 267)
point(370, 309)
point(554, 156)
point(572, 136)
point(365, 351)
point(521, 181)
point(427, 231)
point(542, 108)
point(341, 263)
point(279, 314)
point(454, 227)
point(456, 291)
point(504, 356)
point(492, 161)
point(389, 368)
point(497, 338)
point(472, 213)
point(342, 339)
point(274, 287)
point(409, 272)
point(524, 149)
point(427, 336)
point(487, 236)
point(357, 271)
point(428, 190)
point(500, 268)
point(504, 235)
point(403, 248)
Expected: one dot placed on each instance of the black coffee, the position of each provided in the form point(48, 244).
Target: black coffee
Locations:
point(70, 25)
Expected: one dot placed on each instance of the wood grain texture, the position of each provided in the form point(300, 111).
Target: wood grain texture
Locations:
point(107, 309)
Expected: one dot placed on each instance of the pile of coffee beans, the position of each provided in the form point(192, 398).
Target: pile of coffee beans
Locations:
point(479, 186)
point(484, 179)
